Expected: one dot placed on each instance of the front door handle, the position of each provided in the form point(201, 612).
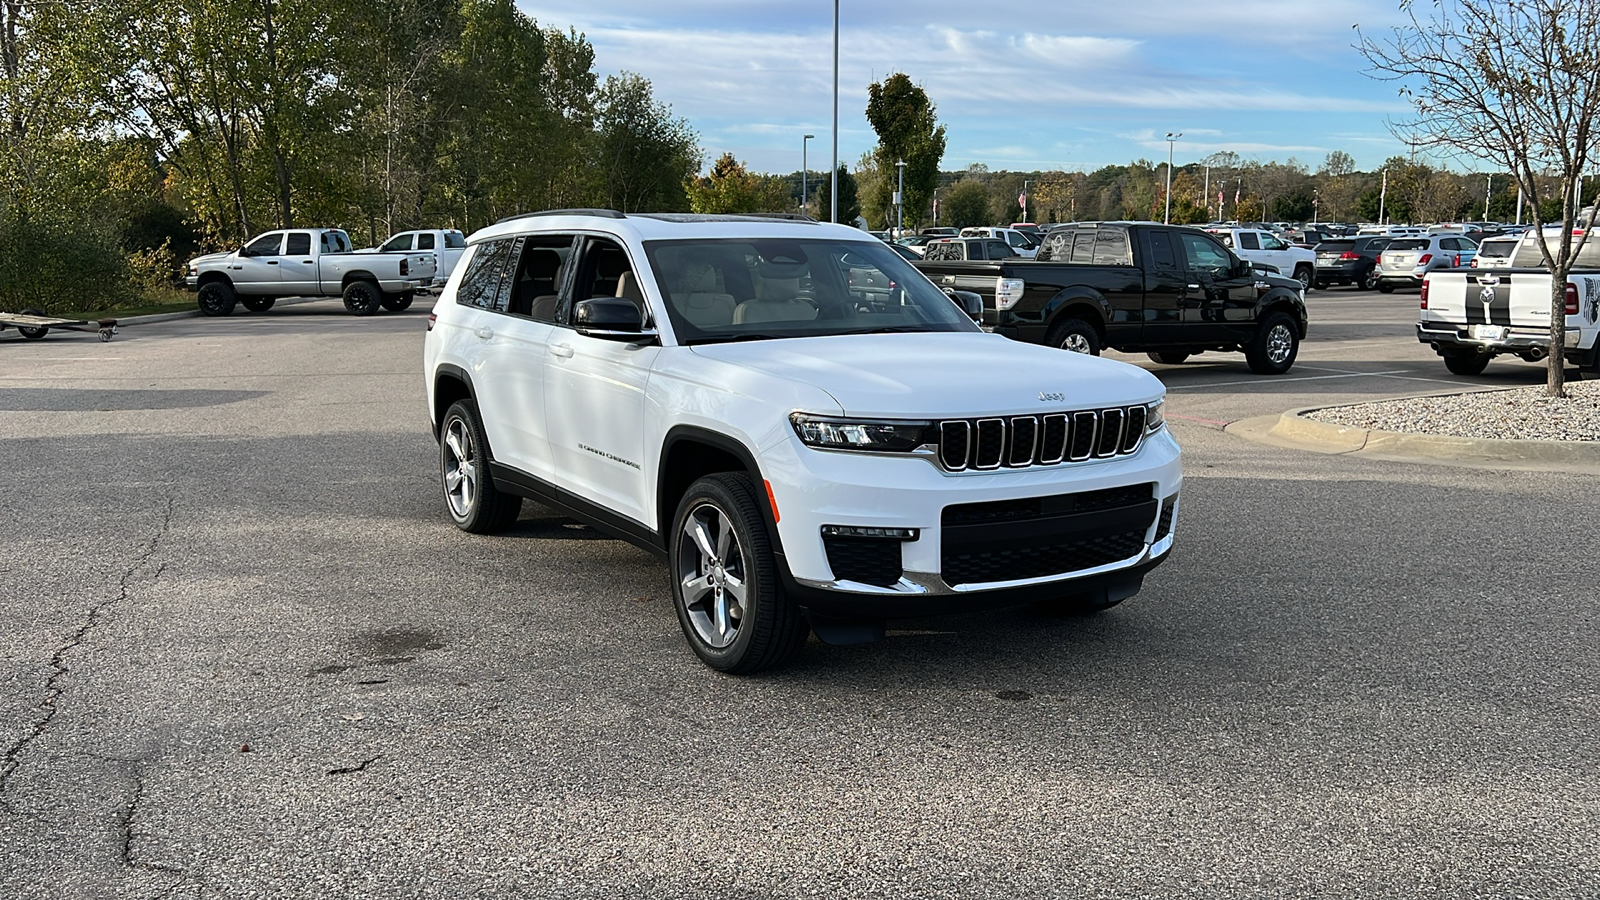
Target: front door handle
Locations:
point(1194, 287)
point(272, 262)
point(485, 333)
point(562, 350)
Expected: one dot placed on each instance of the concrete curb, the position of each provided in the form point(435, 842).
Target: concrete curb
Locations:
point(1292, 429)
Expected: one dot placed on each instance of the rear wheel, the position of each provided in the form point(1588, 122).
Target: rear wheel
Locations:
point(1369, 281)
point(471, 498)
point(216, 298)
point(1075, 335)
point(1168, 357)
point(1467, 363)
point(1276, 344)
point(258, 304)
point(362, 298)
point(397, 302)
point(725, 585)
point(34, 332)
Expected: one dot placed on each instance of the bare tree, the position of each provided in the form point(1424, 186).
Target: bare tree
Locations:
point(1512, 82)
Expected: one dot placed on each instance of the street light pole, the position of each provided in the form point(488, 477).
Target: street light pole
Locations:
point(1172, 137)
point(804, 198)
point(900, 199)
point(1488, 189)
point(1383, 196)
point(1205, 195)
point(833, 195)
point(1025, 183)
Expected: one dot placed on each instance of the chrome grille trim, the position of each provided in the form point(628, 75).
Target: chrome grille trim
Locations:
point(1051, 439)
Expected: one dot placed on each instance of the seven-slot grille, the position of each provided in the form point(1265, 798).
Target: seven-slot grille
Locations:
point(1017, 442)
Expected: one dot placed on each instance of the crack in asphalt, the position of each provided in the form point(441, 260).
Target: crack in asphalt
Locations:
point(59, 669)
point(125, 826)
point(351, 770)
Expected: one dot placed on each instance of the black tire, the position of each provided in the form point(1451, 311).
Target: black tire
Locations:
point(1322, 284)
point(1276, 344)
point(1076, 336)
point(362, 298)
point(1369, 281)
point(1385, 287)
point(1168, 357)
point(730, 635)
point(470, 497)
point(1305, 275)
point(1467, 363)
point(216, 298)
point(33, 333)
point(397, 302)
point(258, 304)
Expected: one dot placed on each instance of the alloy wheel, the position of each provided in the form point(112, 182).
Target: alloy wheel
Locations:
point(460, 469)
point(714, 576)
point(1280, 342)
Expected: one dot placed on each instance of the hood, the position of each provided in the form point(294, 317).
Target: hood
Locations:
point(211, 257)
point(942, 375)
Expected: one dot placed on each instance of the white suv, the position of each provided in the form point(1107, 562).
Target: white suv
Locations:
point(811, 433)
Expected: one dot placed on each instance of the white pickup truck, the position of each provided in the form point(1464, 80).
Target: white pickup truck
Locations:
point(1470, 316)
point(307, 262)
point(446, 245)
point(1265, 248)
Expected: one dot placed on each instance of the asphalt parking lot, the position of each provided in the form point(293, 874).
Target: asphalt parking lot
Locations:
point(248, 656)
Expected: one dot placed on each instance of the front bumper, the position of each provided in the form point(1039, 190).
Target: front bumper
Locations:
point(813, 488)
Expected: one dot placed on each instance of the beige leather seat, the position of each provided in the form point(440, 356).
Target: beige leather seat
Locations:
point(699, 301)
point(628, 287)
point(778, 300)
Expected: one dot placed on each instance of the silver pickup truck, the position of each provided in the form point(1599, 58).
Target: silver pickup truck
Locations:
point(307, 262)
point(1470, 316)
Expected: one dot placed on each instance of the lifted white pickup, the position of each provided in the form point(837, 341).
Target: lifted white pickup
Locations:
point(309, 262)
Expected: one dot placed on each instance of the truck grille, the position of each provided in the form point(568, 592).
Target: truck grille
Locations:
point(1017, 442)
point(1041, 536)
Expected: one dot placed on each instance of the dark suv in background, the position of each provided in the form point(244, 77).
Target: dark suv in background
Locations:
point(1349, 261)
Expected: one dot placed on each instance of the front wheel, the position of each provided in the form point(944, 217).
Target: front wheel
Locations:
point(470, 496)
point(1467, 363)
point(259, 304)
point(397, 302)
point(1075, 335)
point(216, 298)
point(725, 585)
point(1276, 344)
point(362, 298)
point(1369, 281)
point(1168, 357)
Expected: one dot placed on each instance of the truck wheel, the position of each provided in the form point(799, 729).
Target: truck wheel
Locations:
point(362, 298)
point(216, 298)
point(724, 582)
point(1075, 335)
point(258, 304)
point(34, 332)
point(1273, 349)
point(1467, 363)
point(1168, 357)
point(397, 302)
point(471, 498)
point(1304, 275)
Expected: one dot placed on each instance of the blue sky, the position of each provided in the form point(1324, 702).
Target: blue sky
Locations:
point(1019, 85)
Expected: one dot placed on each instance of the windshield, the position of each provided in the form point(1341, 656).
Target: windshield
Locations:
point(757, 289)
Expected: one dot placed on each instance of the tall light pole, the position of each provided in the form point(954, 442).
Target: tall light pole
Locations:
point(804, 198)
point(1488, 189)
point(1205, 195)
point(900, 199)
point(1025, 183)
point(1383, 196)
point(833, 195)
point(1172, 137)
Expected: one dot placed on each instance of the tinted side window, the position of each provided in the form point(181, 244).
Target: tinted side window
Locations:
point(1083, 248)
point(299, 244)
point(482, 282)
point(399, 242)
point(454, 240)
point(1111, 248)
point(998, 249)
point(424, 242)
point(266, 245)
point(1249, 241)
point(1203, 255)
point(1161, 255)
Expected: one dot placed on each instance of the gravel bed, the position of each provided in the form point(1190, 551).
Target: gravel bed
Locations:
point(1520, 414)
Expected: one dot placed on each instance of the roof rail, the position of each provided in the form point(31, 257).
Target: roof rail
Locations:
point(601, 213)
point(793, 217)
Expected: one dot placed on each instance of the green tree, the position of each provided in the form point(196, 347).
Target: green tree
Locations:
point(908, 130)
point(966, 204)
point(849, 204)
point(732, 188)
point(644, 155)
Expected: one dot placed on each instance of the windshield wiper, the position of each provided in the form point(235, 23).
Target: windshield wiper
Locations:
point(736, 338)
point(891, 329)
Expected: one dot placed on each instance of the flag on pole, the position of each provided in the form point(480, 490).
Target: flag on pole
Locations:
point(1022, 199)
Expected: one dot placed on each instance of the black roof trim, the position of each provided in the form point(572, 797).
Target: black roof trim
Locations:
point(601, 213)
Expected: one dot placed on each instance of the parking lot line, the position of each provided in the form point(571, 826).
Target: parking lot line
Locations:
point(1213, 384)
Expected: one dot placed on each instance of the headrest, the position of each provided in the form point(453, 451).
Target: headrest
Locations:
point(699, 277)
point(784, 269)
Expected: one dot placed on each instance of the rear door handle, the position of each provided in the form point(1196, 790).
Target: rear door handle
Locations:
point(485, 333)
point(272, 262)
point(562, 350)
point(1194, 287)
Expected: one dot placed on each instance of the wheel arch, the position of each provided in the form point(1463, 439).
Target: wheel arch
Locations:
point(688, 453)
point(359, 275)
point(451, 384)
point(212, 278)
point(1079, 303)
point(1284, 301)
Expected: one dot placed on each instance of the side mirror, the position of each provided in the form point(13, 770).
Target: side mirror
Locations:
point(1243, 268)
point(610, 318)
point(969, 302)
point(245, 251)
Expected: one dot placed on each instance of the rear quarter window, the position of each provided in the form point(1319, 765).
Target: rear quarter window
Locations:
point(1409, 244)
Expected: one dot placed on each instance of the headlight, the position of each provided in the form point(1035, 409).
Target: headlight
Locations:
point(872, 435)
point(1153, 419)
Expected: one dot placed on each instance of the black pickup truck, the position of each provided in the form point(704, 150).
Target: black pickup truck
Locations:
point(1167, 290)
